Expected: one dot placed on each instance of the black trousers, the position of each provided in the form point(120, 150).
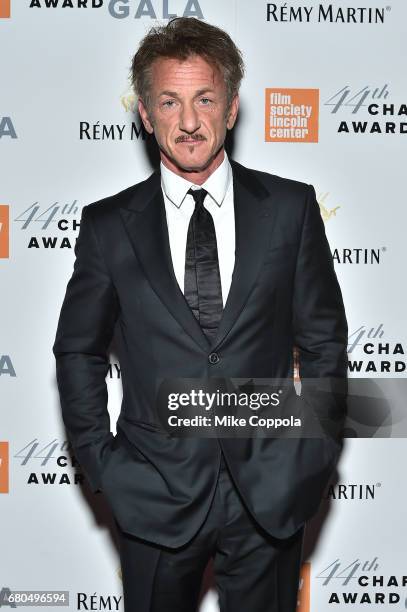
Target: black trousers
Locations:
point(253, 571)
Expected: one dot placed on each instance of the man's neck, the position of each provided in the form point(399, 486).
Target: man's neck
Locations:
point(198, 177)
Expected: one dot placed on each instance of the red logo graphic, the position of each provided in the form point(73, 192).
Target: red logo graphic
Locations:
point(4, 231)
point(4, 479)
point(5, 11)
point(304, 592)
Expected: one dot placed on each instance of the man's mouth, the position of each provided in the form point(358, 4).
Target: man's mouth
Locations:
point(191, 142)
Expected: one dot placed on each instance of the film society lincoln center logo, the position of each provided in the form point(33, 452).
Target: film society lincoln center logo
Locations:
point(291, 115)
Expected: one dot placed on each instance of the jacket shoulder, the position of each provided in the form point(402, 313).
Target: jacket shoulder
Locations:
point(274, 182)
point(105, 206)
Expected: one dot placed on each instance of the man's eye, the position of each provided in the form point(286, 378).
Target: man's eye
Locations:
point(168, 103)
point(206, 100)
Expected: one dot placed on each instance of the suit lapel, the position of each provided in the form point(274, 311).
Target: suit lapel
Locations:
point(145, 222)
point(253, 223)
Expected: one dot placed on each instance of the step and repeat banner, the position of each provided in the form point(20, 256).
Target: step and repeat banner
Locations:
point(324, 101)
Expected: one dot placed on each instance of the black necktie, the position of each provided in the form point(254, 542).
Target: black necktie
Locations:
point(202, 286)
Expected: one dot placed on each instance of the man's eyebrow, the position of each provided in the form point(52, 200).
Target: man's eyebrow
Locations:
point(174, 94)
point(204, 90)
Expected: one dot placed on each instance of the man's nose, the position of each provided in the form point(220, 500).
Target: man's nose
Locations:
point(189, 120)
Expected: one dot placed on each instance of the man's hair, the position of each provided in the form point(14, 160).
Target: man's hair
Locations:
point(179, 39)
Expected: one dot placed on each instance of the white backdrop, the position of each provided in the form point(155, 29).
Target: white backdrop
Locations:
point(66, 140)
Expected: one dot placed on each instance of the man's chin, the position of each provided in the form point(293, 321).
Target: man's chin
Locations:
point(195, 167)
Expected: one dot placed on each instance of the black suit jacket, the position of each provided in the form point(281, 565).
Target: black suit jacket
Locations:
point(284, 293)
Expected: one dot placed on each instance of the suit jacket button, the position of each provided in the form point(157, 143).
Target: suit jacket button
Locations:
point(214, 358)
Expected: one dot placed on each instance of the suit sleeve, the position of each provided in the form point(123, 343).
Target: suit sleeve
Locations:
point(320, 325)
point(85, 329)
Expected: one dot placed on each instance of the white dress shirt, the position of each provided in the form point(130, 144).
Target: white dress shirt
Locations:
point(179, 207)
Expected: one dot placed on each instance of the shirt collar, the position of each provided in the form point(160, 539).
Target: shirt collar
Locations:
point(175, 187)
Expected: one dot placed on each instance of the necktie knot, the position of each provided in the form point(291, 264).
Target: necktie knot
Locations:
point(199, 196)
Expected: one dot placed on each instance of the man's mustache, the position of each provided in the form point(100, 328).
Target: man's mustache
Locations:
point(192, 138)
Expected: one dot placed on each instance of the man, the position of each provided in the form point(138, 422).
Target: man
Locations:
point(208, 270)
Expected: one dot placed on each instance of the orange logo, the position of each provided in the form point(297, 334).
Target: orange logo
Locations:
point(292, 115)
point(4, 482)
point(304, 592)
point(5, 8)
point(4, 231)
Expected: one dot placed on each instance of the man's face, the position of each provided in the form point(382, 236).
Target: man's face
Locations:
point(188, 113)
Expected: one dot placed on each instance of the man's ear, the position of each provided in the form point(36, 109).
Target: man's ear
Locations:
point(144, 116)
point(232, 112)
